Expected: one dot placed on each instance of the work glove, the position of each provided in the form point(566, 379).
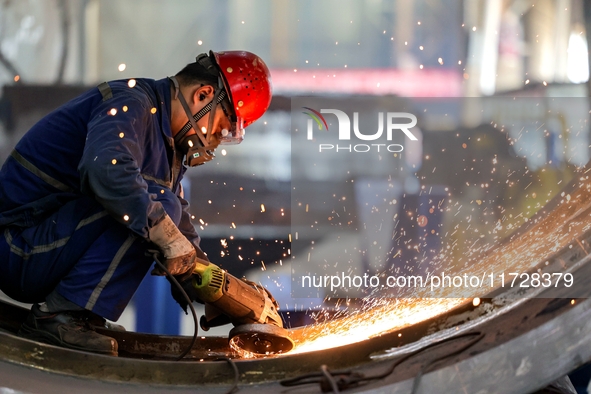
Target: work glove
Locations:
point(186, 283)
point(179, 254)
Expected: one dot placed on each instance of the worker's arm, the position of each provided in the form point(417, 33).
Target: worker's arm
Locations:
point(118, 143)
point(110, 165)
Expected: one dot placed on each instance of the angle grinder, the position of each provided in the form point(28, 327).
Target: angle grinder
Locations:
point(253, 311)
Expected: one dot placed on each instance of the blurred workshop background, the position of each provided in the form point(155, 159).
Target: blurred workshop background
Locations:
point(441, 55)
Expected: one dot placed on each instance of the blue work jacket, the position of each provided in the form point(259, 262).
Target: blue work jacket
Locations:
point(108, 145)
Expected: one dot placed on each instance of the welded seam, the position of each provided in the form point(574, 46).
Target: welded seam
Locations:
point(37, 172)
point(110, 271)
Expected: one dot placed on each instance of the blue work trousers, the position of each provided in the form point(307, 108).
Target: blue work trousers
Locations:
point(83, 253)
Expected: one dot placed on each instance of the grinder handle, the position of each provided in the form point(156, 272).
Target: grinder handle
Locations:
point(201, 265)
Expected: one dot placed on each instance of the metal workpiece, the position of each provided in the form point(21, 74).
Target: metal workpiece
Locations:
point(524, 364)
point(513, 343)
point(514, 340)
point(525, 343)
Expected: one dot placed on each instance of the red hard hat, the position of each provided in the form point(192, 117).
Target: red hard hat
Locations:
point(248, 83)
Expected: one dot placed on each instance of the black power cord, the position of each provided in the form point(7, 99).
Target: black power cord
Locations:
point(477, 338)
point(173, 280)
point(234, 388)
point(342, 380)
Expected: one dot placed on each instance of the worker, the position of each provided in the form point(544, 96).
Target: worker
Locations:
point(95, 185)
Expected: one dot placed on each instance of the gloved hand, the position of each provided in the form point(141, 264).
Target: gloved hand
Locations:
point(186, 282)
point(179, 254)
point(187, 285)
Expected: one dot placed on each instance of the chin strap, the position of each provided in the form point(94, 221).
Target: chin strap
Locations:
point(218, 97)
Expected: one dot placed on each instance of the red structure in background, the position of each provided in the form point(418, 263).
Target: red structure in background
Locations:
point(405, 83)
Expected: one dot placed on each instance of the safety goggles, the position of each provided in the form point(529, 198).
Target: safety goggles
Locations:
point(236, 133)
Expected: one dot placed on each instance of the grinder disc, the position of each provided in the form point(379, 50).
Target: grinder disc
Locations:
point(260, 339)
